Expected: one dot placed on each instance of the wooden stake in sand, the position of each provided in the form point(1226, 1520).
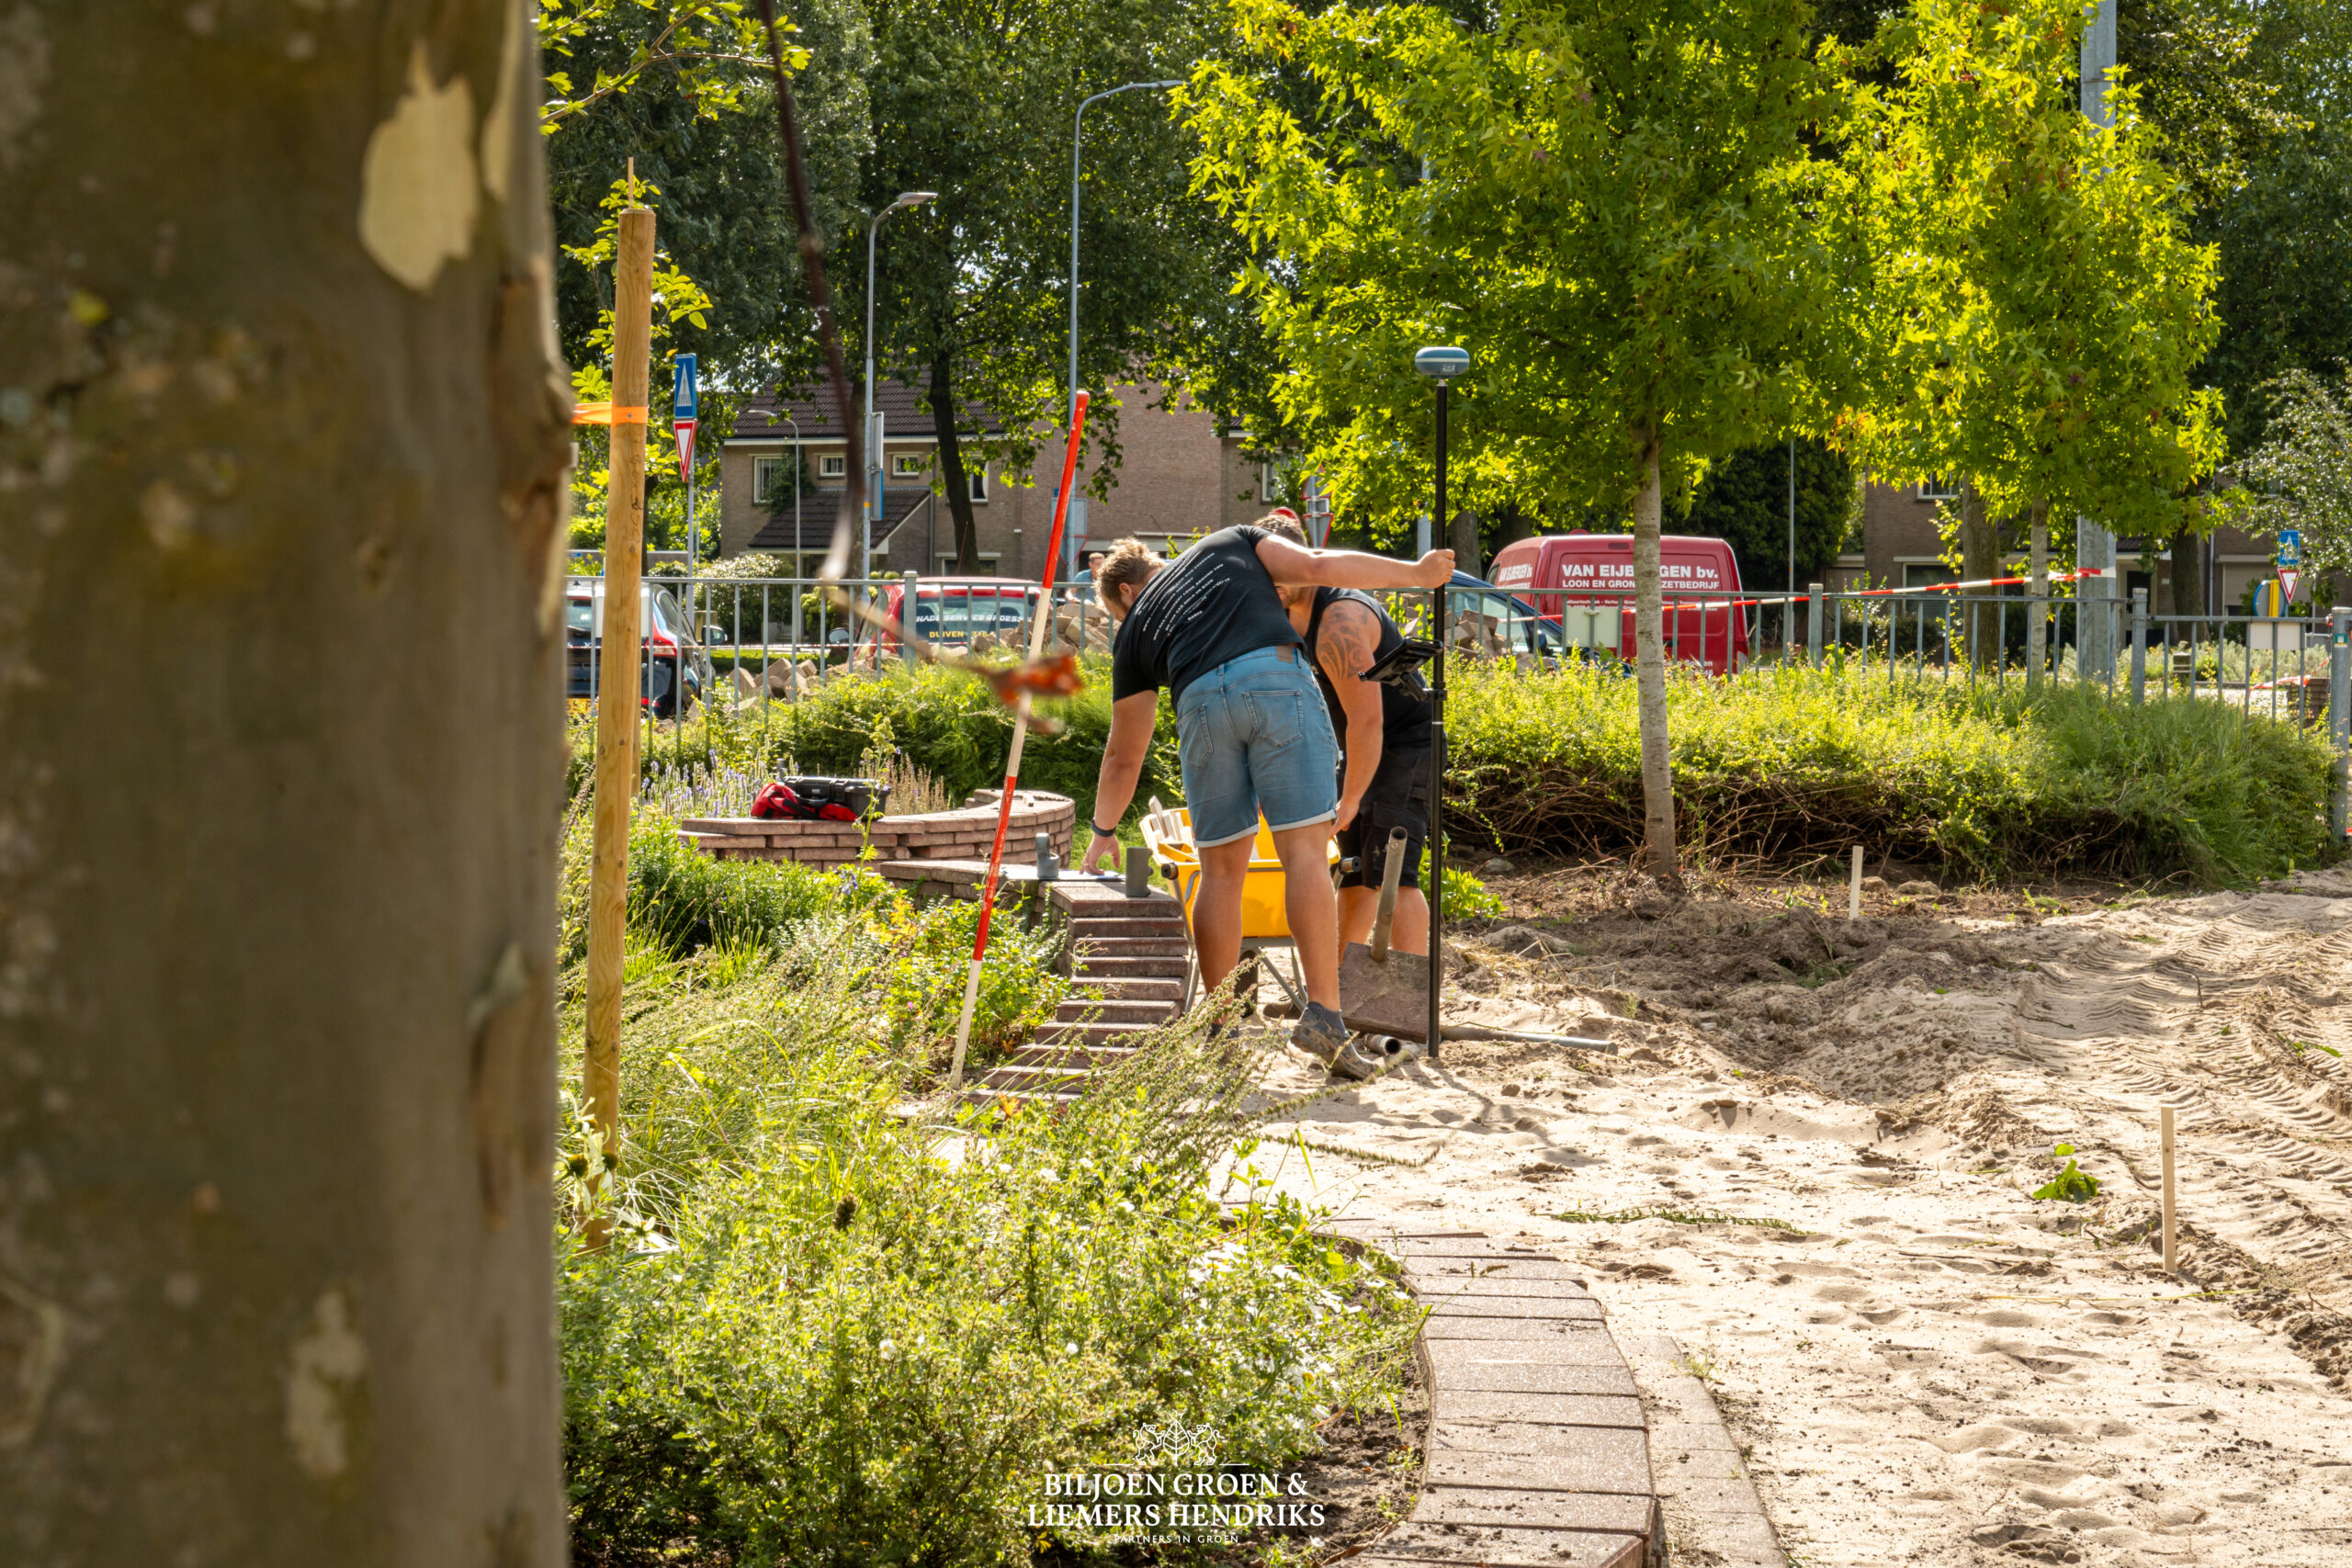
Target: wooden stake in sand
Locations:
point(1854, 887)
point(619, 672)
point(2172, 1245)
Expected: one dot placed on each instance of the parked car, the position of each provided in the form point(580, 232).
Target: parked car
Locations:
point(956, 610)
point(1583, 586)
point(674, 663)
point(1485, 620)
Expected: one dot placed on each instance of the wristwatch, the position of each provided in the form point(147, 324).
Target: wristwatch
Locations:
point(1101, 831)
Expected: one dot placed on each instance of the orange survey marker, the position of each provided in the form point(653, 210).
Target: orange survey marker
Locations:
point(605, 413)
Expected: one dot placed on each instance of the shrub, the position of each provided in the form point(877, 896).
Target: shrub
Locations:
point(845, 1336)
point(941, 719)
point(1785, 761)
point(1779, 764)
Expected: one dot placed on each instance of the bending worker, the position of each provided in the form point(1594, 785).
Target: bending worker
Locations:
point(1385, 737)
point(1211, 627)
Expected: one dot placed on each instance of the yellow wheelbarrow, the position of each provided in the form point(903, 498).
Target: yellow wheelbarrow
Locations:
point(1265, 915)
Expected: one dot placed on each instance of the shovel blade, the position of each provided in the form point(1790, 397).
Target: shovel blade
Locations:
point(1384, 997)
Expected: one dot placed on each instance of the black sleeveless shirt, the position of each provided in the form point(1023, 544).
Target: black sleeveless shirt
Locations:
point(1405, 722)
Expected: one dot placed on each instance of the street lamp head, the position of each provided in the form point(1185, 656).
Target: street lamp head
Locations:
point(912, 198)
point(1177, 83)
point(1442, 364)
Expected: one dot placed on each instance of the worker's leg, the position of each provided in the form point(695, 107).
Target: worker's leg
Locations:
point(1306, 896)
point(1216, 910)
point(1212, 724)
point(1399, 798)
point(1409, 933)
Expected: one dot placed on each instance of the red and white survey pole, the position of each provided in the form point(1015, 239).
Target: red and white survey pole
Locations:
point(1020, 733)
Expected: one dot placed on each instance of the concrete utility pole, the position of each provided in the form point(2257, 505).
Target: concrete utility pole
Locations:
point(2094, 544)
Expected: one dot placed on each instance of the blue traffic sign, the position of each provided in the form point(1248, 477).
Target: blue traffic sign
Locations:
point(2290, 547)
point(684, 366)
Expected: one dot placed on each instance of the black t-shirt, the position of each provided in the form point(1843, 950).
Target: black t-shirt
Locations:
point(1404, 721)
point(1213, 603)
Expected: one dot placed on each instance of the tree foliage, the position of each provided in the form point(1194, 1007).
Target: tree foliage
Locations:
point(974, 99)
point(1610, 223)
point(2301, 476)
point(2035, 309)
point(1743, 500)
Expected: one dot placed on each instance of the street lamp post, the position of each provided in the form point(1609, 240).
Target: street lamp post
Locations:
point(1442, 366)
point(1077, 132)
point(873, 456)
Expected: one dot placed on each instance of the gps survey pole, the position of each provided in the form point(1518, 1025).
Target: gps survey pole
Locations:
point(1020, 732)
point(1442, 366)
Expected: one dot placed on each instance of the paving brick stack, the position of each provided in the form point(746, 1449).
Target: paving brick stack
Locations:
point(1127, 963)
point(963, 834)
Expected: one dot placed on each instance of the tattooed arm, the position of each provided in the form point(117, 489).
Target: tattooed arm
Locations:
point(1344, 647)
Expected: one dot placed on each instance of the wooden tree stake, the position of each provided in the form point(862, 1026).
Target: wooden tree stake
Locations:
point(620, 675)
point(2172, 1245)
point(1854, 887)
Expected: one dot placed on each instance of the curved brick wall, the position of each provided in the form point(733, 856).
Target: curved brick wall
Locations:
point(935, 835)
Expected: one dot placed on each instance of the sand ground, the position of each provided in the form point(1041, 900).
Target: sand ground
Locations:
point(1811, 1166)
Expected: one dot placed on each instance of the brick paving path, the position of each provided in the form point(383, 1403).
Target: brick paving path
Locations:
point(1538, 1453)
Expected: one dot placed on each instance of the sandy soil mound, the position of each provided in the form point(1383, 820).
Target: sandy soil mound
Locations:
point(1811, 1166)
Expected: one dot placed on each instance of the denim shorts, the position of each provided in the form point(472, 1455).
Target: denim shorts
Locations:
point(1254, 738)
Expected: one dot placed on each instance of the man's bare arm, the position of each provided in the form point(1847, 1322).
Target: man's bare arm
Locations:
point(1294, 566)
point(1345, 646)
point(1132, 718)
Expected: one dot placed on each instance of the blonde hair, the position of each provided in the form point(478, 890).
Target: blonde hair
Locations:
point(1129, 563)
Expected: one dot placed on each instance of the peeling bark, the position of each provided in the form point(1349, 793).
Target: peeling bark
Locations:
point(282, 448)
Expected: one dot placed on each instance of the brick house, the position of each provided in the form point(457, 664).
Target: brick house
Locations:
point(1180, 476)
point(1903, 546)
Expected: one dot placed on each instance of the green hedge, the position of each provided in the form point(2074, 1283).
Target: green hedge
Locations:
point(1781, 763)
point(1787, 762)
point(945, 722)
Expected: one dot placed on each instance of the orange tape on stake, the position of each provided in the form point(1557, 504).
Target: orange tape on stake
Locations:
point(605, 413)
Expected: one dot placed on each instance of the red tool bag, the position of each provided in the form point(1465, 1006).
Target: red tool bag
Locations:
point(818, 800)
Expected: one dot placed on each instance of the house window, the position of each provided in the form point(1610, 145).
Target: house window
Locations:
point(947, 567)
point(1935, 487)
point(767, 479)
point(833, 468)
point(1265, 484)
point(908, 466)
point(980, 478)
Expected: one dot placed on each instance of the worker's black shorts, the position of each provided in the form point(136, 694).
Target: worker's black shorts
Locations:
point(1400, 797)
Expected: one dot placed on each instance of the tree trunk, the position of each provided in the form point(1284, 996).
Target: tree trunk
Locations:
point(1462, 539)
point(1511, 525)
point(2037, 619)
point(1979, 558)
point(1649, 674)
point(2187, 580)
point(951, 471)
point(280, 646)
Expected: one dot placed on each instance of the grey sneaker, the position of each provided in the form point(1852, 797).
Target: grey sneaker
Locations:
point(1368, 1055)
point(1321, 1034)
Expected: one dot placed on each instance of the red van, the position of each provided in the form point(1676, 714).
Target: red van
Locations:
point(1575, 572)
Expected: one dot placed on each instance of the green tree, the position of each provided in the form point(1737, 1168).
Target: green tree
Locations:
point(1744, 500)
point(2301, 476)
point(974, 99)
point(1610, 221)
point(2035, 309)
point(2285, 230)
